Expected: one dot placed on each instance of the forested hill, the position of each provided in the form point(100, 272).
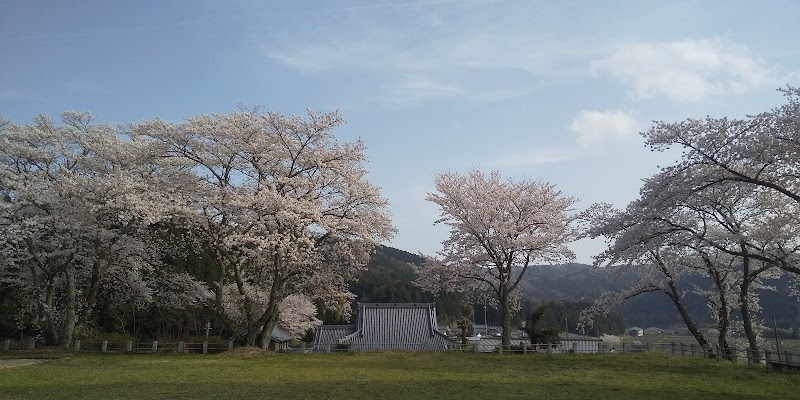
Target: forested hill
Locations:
point(390, 278)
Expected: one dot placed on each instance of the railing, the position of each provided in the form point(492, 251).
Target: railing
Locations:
point(139, 346)
point(773, 360)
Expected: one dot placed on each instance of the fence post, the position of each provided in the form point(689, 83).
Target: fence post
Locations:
point(600, 348)
point(205, 347)
point(7, 345)
point(786, 357)
point(33, 343)
point(525, 348)
point(230, 345)
point(750, 360)
point(767, 357)
point(78, 345)
point(683, 351)
point(574, 347)
point(500, 349)
point(549, 348)
point(104, 346)
point(475, 347)
point(672, 348)
point(734, 355)
point(647, 346)
point(623, 347)
point(691, 350)
point(155, 346)
point(303, 346)
point(130, 346)
point(180, 346)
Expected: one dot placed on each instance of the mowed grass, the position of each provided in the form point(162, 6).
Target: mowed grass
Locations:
point(393, 376)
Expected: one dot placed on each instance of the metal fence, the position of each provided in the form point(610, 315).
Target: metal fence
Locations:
point(772, 359)
point(138, 346)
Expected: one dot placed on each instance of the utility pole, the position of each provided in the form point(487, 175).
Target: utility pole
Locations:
point(777, 342)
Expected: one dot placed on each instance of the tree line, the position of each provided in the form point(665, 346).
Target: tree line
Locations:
point(254, 215)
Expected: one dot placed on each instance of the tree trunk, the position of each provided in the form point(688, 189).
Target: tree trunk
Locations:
point(91, 298)
point(269, 319)
point(266, 332)
point(675, 296)
point(47, 323)
point(723, 326)
point(744, 307)
point(505, 315)
point(70, 313)
point(724, 315)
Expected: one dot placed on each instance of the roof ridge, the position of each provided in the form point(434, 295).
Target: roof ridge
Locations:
point(410, 305)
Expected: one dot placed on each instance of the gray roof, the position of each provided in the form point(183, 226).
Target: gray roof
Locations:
point(386, 326)
point(407, 326)
point(575, 336)
point(280, 336)
point(327, 335)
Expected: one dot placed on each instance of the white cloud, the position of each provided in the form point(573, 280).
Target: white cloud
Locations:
point(415, 89)
point(456, 59)
point(687, 70)
point(530, 158)
point(594, 127)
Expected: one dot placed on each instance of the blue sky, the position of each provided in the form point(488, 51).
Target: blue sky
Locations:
point(541, 90)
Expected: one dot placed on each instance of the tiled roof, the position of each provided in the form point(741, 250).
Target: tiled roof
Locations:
point(385, 326)
point(280, 336)
point(329, 335)
point(399, 326)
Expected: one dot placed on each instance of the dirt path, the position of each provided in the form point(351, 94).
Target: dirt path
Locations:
point(19, 362)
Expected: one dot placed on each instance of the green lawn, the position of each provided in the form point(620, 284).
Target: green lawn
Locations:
point(665, 340)
point(392, 376)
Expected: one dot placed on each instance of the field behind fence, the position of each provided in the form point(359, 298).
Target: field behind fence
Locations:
point(785, 358)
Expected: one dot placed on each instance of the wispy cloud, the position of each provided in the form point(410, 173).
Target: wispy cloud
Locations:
point(456, 59)
point(531, 158)
point(594, 127)
point(8, 94)
point(686, 70)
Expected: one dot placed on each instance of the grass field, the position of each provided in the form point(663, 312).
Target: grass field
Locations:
point(392, 376)
point(786, 344)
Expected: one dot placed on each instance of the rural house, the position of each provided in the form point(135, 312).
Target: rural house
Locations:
point(385, 326)
point(279, 340)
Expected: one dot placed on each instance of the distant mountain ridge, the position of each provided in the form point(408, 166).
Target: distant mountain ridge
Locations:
point(390, 278)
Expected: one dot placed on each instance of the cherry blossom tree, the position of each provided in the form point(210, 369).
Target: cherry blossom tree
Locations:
point(284, 206)
point(759, 150)
point(657, 258)
point(72, 214)
point(726, 232)
point(498, 230)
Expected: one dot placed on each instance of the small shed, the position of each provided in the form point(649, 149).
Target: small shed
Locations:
point(634, 331)
point(279, 340)
point(580, 343)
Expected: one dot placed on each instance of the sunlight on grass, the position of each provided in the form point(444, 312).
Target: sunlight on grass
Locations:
point(392, 376)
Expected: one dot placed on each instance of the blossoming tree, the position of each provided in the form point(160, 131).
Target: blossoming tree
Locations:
point(285, 207)
point(498, 230)
point(73, 216)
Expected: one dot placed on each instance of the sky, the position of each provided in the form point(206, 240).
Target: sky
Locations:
point(550, 91)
